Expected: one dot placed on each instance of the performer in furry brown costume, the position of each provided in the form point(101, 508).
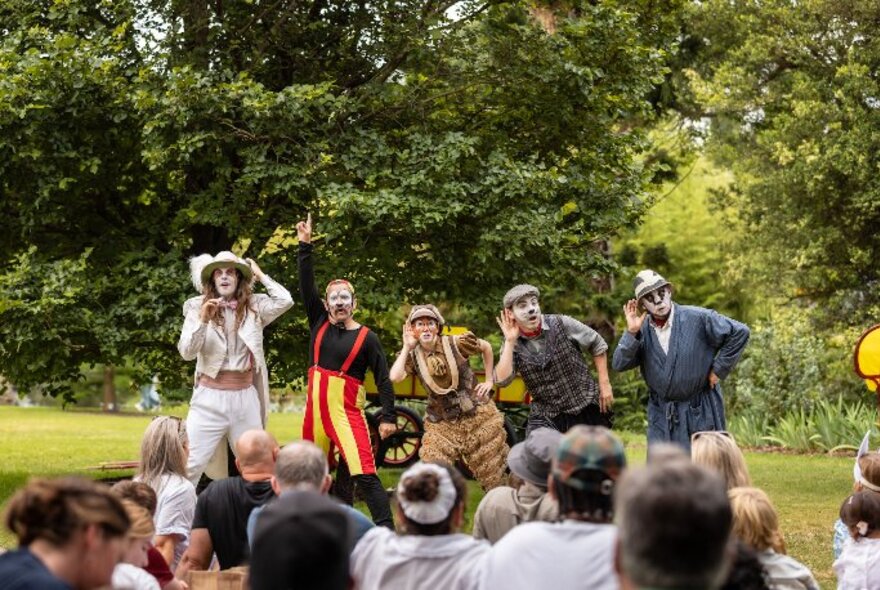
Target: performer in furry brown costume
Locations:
point(462, 421)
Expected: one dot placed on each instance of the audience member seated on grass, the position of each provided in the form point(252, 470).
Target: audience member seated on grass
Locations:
point(70, 531)
point(302, 465)
point(746, 572)
point(430, 553)
point(144, 496)
point(666, 452)
point(858, 566)
point(302, 541)
point(223, 508)
point(717, 450)
point(164, 452)
point(756, 524)
point(504, 507)
point(866, 476)
point(674, 524)
point(579, 551)
point(129, 573)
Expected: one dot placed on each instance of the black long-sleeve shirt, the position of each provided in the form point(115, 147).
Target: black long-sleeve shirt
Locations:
point(338, 342)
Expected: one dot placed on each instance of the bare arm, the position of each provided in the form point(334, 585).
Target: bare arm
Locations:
point(166, 544)
point(606, 396)
point(198, 554)
point(484, 389)
point(504, 369)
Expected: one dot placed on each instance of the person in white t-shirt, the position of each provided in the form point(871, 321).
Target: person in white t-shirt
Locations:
point(577, 552)
point(430, 552)
point(164, 452)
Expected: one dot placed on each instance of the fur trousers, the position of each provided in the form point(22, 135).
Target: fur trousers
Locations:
point(479, 441)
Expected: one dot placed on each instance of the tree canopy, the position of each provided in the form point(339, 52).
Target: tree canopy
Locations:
point(445, 149)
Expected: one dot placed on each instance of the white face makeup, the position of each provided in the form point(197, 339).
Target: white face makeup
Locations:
point(426, 330)
point(527, 313)
point(340, 304)
point(225, 281)
point(658, 302)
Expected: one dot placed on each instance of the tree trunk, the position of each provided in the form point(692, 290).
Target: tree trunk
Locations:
point(110, 404)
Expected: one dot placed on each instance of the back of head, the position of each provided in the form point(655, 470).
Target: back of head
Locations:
point(588, 462)
point(162, 450)
point(301, 464)
point(746, 572)
point(302, 541)
point(754, 519)
point(674, 526)
point(427, 495)
point(861, 513)
point(53, 510)
point(870, 467)
point(666, 452)
point(255, 448)
point(136, 491)
point(141, 520)
point(719, 451)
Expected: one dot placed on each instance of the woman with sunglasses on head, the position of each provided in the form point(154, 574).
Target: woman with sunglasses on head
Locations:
point(164, 454)
point(71, 533)
point(717, 450)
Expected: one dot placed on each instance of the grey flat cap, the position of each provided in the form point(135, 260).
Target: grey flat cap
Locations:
point(518, 292)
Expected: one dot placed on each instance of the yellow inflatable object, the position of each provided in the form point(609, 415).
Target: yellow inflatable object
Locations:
point(866, 357)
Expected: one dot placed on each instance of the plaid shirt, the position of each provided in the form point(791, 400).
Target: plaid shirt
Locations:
point(558, 378)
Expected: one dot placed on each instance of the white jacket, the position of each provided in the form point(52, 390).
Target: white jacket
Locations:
point(207, 342)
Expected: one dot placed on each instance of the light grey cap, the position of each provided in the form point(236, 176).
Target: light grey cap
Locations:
point(518, 292)
point(647, 281)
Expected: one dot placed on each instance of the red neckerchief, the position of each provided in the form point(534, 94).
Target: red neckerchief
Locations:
point(531, 334)
point(660, 323)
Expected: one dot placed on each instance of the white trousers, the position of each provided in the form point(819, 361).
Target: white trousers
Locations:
point(215, 417)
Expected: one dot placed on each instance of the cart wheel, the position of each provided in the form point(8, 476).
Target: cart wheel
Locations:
point(402, 448)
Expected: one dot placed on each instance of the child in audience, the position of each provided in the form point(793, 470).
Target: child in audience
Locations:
point(129, 573)
point(858, 566)
point(866, 476)
point(756, 524)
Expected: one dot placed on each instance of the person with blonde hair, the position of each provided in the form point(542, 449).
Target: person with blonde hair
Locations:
point(70, 532)
point(162, 466)
point(129, 573)
point(717, 450)
point(756, 523)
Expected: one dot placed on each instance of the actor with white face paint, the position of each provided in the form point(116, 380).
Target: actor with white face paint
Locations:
point(683, 353)
point(340, 352)
point(223, 331)
point(546, 350)
point(462, 420)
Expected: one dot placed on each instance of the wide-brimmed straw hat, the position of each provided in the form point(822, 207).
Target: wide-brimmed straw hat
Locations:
point(203, 266)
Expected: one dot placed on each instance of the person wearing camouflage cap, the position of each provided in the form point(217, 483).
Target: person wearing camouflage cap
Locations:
point(546, 350)
point(578, 551)
point(683, 353)
point(462, 422)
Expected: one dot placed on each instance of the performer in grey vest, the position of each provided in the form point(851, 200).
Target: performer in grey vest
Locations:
point(547, 351)
point(683, 352)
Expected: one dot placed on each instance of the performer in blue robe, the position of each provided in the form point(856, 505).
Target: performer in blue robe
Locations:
point(683, 353)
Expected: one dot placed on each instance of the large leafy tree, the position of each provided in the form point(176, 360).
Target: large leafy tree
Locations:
point(446, 150)
point(792, 92)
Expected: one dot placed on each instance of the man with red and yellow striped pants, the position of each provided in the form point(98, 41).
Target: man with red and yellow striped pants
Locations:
point(341, 351)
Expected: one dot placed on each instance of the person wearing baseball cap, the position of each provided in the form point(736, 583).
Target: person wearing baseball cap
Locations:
point(462, 422)
point(505, 507)
point(223, 332)
point(547, 350)
point(683, 353)
point(578, 551)
point(341, 350)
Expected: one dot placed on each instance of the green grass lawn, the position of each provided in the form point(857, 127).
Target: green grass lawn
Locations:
point(807, 490)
